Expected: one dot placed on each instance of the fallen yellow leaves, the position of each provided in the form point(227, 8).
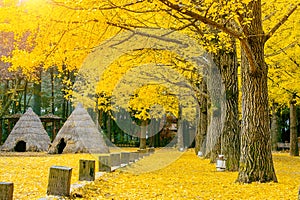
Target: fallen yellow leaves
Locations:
point(29, 171)
point(188, 177)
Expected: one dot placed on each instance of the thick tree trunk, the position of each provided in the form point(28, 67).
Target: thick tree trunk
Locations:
point(294, 151)
point(274, 128)
point(230, 139)
point(256, 163)
point(214, 86)
point(203, 122)
point(256, 158)
point(180, 144)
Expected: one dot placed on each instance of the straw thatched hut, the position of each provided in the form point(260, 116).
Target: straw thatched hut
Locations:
point(27, 135)
point(79, 134)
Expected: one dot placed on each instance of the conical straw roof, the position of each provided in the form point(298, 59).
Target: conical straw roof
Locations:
point(30, 130)
point(79, 134)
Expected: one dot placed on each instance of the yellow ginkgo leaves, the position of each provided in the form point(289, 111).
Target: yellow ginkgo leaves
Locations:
point(188, 177)
point(191, 177)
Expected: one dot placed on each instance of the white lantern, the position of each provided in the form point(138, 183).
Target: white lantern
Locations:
point(221, 163)
point(200, 154)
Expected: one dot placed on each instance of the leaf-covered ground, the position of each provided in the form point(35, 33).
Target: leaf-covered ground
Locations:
point(29, 171)
point(188, 177)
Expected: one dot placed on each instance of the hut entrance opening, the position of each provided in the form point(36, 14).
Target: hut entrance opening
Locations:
point(20, 146)
point(61, 145)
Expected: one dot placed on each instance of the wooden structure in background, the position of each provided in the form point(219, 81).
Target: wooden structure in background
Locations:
point(55, 122)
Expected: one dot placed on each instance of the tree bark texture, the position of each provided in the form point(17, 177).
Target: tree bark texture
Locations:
point(294, 151)
point(180, 144)
point(203, 123)
point(274, 128)
point(214, 87)
point(230, 139)
point(256, 163)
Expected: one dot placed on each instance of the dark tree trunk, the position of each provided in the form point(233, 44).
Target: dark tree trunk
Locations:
point(180, 144)
point(180, 130)
point(37, 95)
point(294, 151)
point(215, 90)
point(274, 128)
point(187, 135)
point(203, 122)
point(157, 134)
point(230, 139)
point(153, 131)
point(37, 98)
point(256, 163)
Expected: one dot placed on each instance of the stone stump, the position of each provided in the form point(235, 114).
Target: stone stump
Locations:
point(59, 181)
point(105, 163)
point(86, 170)
point(133, 156)
point(125, 157)
point(6, 190)
point(115, 159)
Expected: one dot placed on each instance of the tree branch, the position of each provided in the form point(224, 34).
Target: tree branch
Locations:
point(204, 20)
point(145, 34)
point(282, 21)
point(251, 59)
point(96, 8)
